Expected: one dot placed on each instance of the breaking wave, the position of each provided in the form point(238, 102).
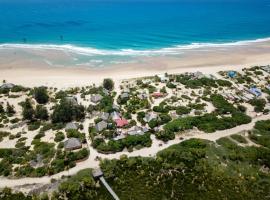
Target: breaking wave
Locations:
point(88, 51)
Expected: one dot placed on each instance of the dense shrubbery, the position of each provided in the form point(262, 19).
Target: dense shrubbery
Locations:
point(130, 142)
point(66, 112)
point(201, 82)
point(258, 104)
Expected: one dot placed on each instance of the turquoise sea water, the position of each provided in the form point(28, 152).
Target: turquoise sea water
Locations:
point(119, 27)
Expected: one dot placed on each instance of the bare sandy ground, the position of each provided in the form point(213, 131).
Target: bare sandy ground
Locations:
point(32, 68)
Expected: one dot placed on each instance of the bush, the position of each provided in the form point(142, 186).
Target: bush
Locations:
point(10, 109)
point(28, 111)
point(239, 138)
point(181, 110)
point(108, 84)
point(165, 135)
point(59, 136)
point(41, 95)
point(34, 126)
point(41, 113)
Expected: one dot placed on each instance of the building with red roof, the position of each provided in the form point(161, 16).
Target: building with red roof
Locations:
point(121, 122)
point(157, 94)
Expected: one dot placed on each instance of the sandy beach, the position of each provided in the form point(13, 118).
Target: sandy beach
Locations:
point(32, 67)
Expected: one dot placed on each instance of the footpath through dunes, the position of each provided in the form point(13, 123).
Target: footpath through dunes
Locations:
point(91, 162)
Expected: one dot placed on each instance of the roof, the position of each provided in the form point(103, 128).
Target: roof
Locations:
point(126, 90)
point(115, 115)
point(71, 99)
point(100, 126)
point(232, 74)
point(157, 94)
point(142, 96)
point(136, 130)
point(104, 115)
point(7, 86)
point(198, 74)
point(116, 107)
point(121, 122)
point(97, 173)
point(163, 77)
point(149, 116)
point(72, 143)
point(256, 91)
point(96, 98)
point(119, 137)
point(71, 125)
point(124, 95)
point(105, 91)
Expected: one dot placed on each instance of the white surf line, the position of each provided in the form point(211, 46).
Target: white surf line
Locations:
point(145, 152)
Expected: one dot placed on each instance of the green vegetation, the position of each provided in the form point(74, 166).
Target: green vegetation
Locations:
point(28, 110)
point(130, 142)
point(239, 138)
point(189, 82)
point(40, 94)
point(67, 112)
point(108, 84)
point(258, 104)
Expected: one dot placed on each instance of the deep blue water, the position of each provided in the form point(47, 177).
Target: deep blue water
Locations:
point(145, 24)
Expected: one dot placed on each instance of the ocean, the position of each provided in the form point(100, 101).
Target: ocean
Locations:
point(131, 27)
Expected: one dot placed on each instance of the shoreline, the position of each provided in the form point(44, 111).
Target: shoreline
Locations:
point(36, 67)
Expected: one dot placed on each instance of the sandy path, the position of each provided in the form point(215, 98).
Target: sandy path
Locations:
point(151, 151)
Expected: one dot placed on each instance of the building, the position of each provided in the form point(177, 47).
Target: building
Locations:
point(119, 137)
point(96, 98)
point(115, 107)
point(255, 91)
point(104, 116)
point(149, 116)
point(106, 92)
point(72, 144)
point(72, 99)
point(71, 126)
point(97, 173)
point(121, 122)
point(146, 81)
point(157, 95)
point(126, 90)
point(232, 74)
point(266, 68)
point(197, 75)
point(124, 95)
point(163, 78)
point(115, 115)
point(7, 86)
point(129, 83)
point(136, 130)
point(142, 96)
point(100, 126)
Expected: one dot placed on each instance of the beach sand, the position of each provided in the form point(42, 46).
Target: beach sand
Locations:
point(33, 67)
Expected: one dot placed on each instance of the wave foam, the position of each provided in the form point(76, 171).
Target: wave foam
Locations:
point(88, 51)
